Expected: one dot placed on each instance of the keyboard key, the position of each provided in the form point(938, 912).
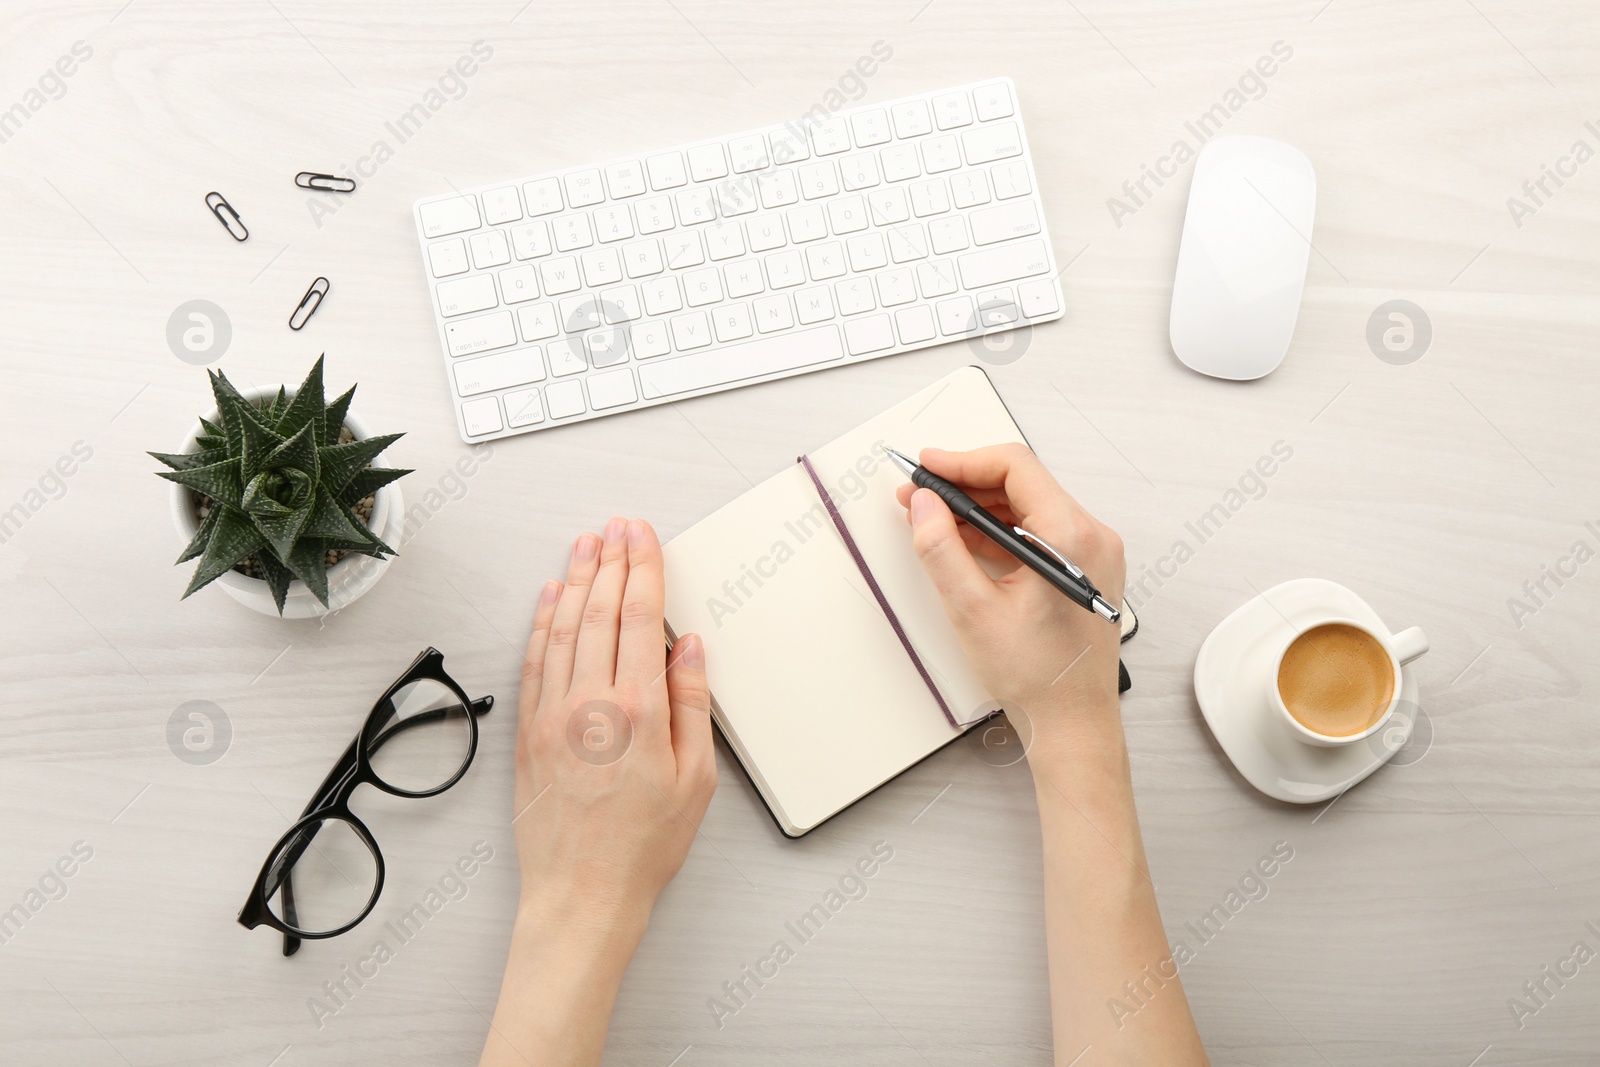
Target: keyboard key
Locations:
point(948, 234)
point(696, 204)
point(707, 162)
point(584, 188)
point(814, 305)
point(896, 287)
point(870, 127)
point(993, 100)
point(518, 284)
point(752, 359)
point(466, 295)
point(969, 189)
point(654, 214)
point(930, 198)
point(522, 407)
point(989, 143)
point(940, 154)
point(732, 322)
point(785, 269)
point(866, 252)
point(538, 321)
point(501, 205)
point(580, 313)
point(806, 223)
point(447, 257)
point(871, 334)
point(650, 339)
point(530, 240)
point(773, 313)
point(691, 331)
point(488, 373)
point(701, 287)
point(956, 316)
point(1038, 298)
point(601, 267)
point(915, 325)
point(742, 279)
point(831, 136)
point(564, 399)
point(765, 233)
point(444, 217)
point(789, 145)
point(859, 171)
point(543, 196)
point(736, 196)
point(936, 278)
point(620, 304)
point(951, 110)
point(661, 295)
point(724, 240)
point(642, 258)
point(611, 389)
point(778, 190)
point(847, 214)
point(900, 162)
point(466, 336)
point(855, 296)
point(572, 232)
point(1004, 222)
point(819, 179)
point(567, 357)
point(888, 205)
point(666, 171)
point(625, 179)
point(684, 249)
point(481, 416)
point(489, 249)
point(748, 152)
point(1010, 179)
point(559, 275)
point(607, 348)
point(612, 223)
point(908, 242)
point(825, 260)
point(997, 307)
point(911, 119)
point(1003, 263)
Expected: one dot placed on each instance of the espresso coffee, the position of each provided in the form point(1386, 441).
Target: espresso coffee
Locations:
point(1336, 680)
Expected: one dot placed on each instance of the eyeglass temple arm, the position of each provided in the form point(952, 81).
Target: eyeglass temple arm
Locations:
point(342, 771)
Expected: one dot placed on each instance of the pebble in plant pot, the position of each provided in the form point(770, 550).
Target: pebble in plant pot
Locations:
point(279, 499)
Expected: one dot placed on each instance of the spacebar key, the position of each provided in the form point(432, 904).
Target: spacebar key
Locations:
point(723, 366)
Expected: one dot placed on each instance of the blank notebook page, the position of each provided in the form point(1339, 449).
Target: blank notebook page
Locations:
point(810, 685)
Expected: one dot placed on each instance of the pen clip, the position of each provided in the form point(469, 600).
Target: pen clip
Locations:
point(1071, 567)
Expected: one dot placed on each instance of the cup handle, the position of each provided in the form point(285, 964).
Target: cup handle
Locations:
point(1409, 644)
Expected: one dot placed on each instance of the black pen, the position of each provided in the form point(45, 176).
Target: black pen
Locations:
point(1030, 549)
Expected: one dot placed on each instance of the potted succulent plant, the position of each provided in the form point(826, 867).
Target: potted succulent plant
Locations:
point(276, 495)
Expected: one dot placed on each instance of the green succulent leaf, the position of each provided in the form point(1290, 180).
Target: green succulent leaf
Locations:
point(259, 442)
point(334, 419)
point(330, 520)
point(271, 495)
point(233, 537)
point(282, 531)
point(272, 411)
point(202, 537)
point(308, 564)
point(369, 480)
point(182, 461)
point(229, 404)
point(341, 462)
point(220, 481)
point(278, 578)
point(306, 409)
point(298, 453)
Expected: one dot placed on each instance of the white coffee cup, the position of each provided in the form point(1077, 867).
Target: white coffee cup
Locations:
point(1401, 648)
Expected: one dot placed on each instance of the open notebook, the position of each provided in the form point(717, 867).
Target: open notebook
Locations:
point(809, 684)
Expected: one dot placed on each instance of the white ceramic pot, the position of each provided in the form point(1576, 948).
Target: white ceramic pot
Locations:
point(348, 579)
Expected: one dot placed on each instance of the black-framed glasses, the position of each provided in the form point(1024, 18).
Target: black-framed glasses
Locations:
point(326, 871)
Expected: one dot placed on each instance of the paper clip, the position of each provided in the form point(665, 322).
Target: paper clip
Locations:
point(330, 183)
point(309, 303)
point(226, 215)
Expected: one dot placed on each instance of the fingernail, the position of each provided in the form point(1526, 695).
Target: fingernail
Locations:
point(635, 533)
point(694, 653)
point(587, 548)
point(548, 595)
point(921, 505)
point(614, 530)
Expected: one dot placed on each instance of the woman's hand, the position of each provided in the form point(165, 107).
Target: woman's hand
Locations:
point(614, 771)
point(1038, 652)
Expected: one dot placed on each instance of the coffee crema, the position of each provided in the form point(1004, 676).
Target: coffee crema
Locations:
point(1336, 679)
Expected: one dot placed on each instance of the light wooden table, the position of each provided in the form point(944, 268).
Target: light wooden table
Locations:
point(1413, 908)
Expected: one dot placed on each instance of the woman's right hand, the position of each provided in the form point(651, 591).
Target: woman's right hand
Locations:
point(1051, 664)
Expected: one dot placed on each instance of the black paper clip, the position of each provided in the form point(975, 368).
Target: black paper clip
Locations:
point(309, 303)
point(330, 183)
point(226, 215)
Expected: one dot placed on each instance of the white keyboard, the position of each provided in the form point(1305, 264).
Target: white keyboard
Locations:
point(737, 260)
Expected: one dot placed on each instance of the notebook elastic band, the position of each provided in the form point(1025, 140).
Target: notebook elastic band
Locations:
point(872, 583)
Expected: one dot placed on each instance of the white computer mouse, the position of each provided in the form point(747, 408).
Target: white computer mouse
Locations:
point(1242, 263)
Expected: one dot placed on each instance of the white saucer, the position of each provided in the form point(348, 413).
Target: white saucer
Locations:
point(1231, 679)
